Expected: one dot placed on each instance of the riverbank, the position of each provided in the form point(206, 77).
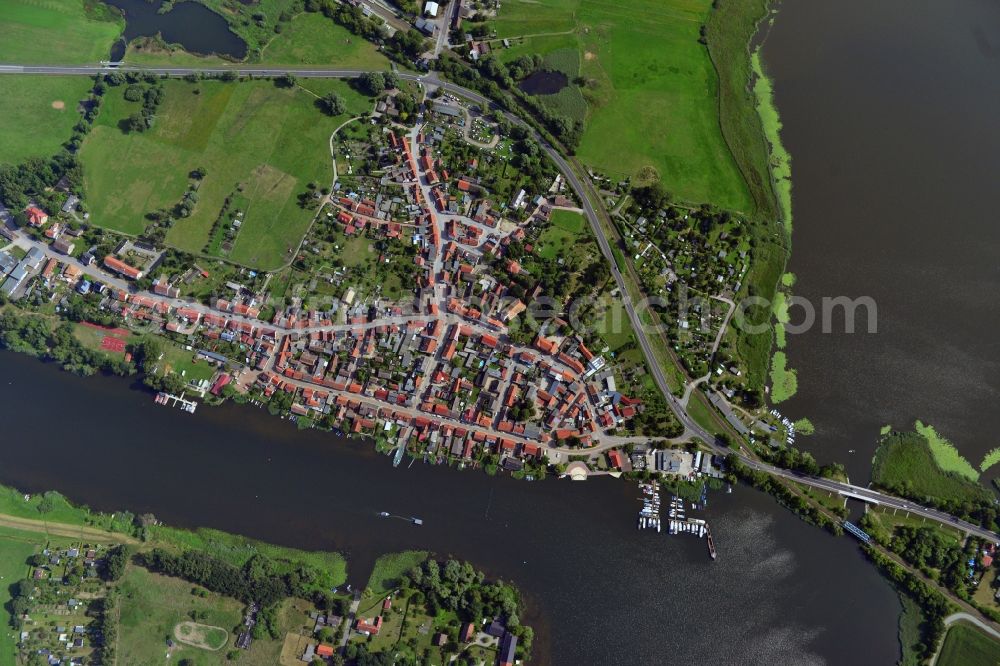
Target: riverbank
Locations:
point(242, 471)
point(749, 124)
point(146, 587)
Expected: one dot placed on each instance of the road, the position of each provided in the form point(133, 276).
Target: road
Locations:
point(691, 428)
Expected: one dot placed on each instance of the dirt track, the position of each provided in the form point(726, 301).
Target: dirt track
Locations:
point(81, 532)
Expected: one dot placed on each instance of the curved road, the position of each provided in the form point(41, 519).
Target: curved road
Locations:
point(692, 429)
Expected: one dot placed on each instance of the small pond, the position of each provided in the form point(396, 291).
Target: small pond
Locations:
point(544, 82)
point(193, 26)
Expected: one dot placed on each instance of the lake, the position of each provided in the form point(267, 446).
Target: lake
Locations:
point(889, 112)
point(597, 590)
point(191, 25)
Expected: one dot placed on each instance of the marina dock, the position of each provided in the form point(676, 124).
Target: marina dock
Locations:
point(163, 398)
point(677, 521)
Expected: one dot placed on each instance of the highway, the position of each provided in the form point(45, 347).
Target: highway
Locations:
point(692, 429)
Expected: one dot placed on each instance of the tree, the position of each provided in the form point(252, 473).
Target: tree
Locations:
point(114, 563)
point(332, 104)
point(371, 83)
point(135, 123)
point(133, 93)
point(286, 81)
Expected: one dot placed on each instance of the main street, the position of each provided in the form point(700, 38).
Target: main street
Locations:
point(691, 428)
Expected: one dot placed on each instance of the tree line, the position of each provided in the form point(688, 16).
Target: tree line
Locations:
point(258, 580)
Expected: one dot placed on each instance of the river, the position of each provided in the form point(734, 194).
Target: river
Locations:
point(889, 112)
point(597, 590)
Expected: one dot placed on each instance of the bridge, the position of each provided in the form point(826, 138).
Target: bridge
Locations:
point(856, 531)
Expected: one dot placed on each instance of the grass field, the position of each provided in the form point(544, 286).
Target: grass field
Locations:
point(313, 39)
point(252, 138)
point(153, 605)
point(185, 363)
point(965, 645)
point(566, 230)
point(904, 462)
point(57, 31)
point(651, 87)
point(730, 28)
point(38, 113)
point(15, 549)
point(388, 569)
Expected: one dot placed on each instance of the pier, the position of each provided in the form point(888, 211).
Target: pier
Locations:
point(163, 398)
point(676, 521)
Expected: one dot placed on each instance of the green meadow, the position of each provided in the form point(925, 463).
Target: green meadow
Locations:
point(965, 645)
point(252, 138)
point(905, 463)
point(38, 114)
point(313, 39)
point(57, 31)
point(651, 88)
point(15, 549)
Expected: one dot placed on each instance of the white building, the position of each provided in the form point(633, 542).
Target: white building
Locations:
point(431, 8)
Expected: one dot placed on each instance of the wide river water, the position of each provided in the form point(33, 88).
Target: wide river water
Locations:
point(889, 111)
point(597, 590)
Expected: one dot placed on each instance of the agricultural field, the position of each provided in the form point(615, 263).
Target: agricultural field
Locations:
point(967, 646)
point(651, 87)
point(251, 138)
point(38, 112)
point(57, 31)
point(314, 39)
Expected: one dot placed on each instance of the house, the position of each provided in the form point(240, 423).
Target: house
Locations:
point(440, 639)
point(324, 650)
point(425, 26)
point(369, 628)
point(496, 629)
point(467, 633)
point(431, 8)
point(508, 648)
point(36, 216)
point(63, 246)
point(120, 267)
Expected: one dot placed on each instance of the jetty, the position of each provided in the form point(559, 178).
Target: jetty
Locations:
point(649, 515)
point(164, 398)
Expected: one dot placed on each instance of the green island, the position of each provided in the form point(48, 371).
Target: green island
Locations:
point(99, 587)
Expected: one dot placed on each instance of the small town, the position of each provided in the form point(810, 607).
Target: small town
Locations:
point(448, 369)
point(315, 315)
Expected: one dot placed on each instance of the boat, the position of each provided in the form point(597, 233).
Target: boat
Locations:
point(398, 458)
point(417, 521)
point(383, 514)
point(711, 544)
